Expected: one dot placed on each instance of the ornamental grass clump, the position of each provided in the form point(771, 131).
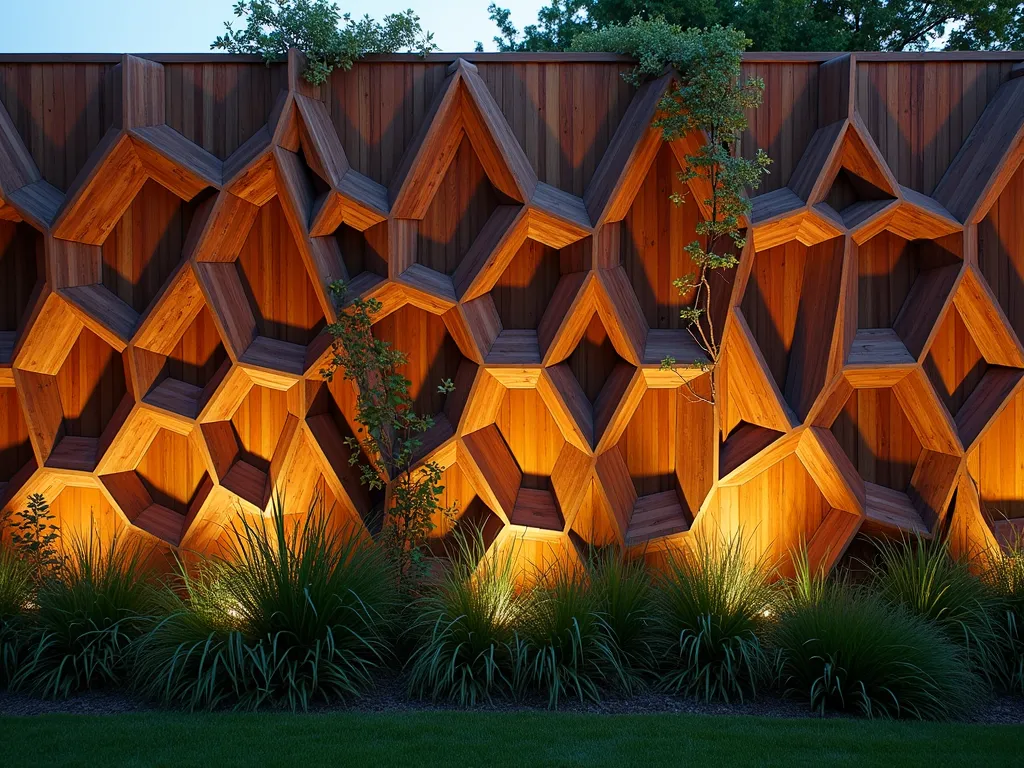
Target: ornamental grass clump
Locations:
point(623, 593)
point(923, 577)
point(87, 614)
point(295, 612)
point(16, 594)
point(1004, 576)
point(849, 650)
point(710, 603)
point(465, 626)
point(564, 648)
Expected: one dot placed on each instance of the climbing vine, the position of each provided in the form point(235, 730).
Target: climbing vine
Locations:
point(709, 97)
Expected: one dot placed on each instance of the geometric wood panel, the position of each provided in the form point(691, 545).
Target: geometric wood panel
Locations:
point(169, 227)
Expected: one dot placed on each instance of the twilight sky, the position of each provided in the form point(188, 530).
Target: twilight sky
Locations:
point(188, 26)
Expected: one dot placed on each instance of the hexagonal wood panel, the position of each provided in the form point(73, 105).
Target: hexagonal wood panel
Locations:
point(168, 237)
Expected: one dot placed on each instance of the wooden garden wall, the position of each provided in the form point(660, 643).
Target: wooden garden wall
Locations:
point(169, 224)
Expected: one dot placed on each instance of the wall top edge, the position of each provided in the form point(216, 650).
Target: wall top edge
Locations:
point(520, 58)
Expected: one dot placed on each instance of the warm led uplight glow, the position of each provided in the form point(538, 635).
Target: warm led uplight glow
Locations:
point(767, 613)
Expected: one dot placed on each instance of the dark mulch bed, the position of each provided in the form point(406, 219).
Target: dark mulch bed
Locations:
point(389, 696)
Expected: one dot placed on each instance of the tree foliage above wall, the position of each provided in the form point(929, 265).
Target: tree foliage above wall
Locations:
point(312, 26)
point(788, 25)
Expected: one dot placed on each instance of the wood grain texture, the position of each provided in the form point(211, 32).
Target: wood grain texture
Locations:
point(169, 228)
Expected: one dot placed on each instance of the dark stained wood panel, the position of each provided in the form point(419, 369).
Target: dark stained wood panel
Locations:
point(220, 106)
point(920, 112)
point(15, 449)
point(791, 288)
point(61, 112)
point(1001, 250)
point(563, 116)
point(377, 110)
point(526, 287)
point(21, 267)
point(594, 359)
point(783, 126)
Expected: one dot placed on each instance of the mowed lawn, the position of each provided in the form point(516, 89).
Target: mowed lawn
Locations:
point(494, 739)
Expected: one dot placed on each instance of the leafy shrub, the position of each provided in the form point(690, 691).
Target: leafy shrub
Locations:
point(623, 595)
point(709, 604)
point(851, 650)
point(89, 611)
point(312, 26)
point(35, 535)
point(1004, 576)
point(294, 613)
point(466, 627)
point(564, 648)
point(922, 577)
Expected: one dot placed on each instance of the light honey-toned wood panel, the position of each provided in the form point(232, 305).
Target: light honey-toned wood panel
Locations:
point(432, 354)
point(878, 438)
point(199, 353)
point(258, 424)
point(145, 246)
point(83, 512)
point(1001, 250)
point(283, 298)
point(774, 512)
point(954, 363)
point(649, 445)
point(532, 435)
point(92, 384)
point(457, 214)
point(15, 448)
point(997, 464)
point(653, 236)
point(172, 471)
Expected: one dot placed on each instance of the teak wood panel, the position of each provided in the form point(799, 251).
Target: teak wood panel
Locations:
point(146, 245)
point(872, 344)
